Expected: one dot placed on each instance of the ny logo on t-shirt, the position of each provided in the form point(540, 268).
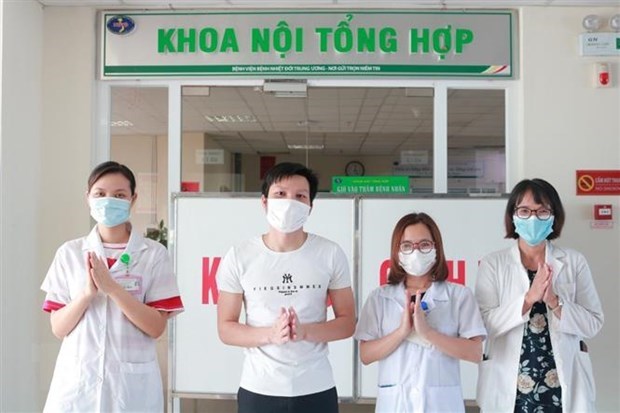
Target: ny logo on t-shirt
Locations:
point(287, 278)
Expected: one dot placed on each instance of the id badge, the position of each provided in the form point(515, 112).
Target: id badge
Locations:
point(131, 283)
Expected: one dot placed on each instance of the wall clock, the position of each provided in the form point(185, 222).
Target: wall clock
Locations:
point(354, 168)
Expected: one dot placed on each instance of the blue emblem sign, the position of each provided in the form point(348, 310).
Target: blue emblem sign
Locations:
point(121, 25)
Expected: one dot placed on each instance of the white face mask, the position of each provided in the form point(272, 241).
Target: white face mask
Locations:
point(109, 211)
point(416, 263)
point(286, 215)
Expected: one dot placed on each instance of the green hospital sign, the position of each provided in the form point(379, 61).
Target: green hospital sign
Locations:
point(310, 43)
point(370, 184)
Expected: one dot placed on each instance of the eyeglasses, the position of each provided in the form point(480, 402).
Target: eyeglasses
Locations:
point(541, 213)
point(424, 246)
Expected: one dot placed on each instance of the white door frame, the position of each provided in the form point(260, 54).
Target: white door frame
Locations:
point(101, 135)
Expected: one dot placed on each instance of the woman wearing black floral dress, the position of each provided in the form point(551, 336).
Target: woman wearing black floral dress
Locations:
point(539, 305)
point(538, 388)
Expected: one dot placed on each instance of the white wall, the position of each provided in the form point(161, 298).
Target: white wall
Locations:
point(568, 125)
point(48, 72)
point(68, 73)
point(20, 170)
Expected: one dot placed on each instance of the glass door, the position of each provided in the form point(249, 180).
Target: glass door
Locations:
point(230, 135)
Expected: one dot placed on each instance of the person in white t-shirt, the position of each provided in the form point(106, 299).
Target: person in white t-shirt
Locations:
point(419, 326)
point(284, 279)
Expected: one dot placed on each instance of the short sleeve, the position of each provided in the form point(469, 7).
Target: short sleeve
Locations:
point(368, 324)
point(228, 275)
point(340, 277)
point(163, 293)
point(470, 319)
point(55, 284)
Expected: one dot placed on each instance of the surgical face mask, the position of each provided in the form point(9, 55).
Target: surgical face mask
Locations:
point(417, 263)
point(533, 230)
point(109, 211)
point(286, 215)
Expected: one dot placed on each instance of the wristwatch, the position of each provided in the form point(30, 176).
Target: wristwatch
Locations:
point(560, 304)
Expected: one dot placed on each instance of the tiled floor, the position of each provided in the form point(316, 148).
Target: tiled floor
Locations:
point(229, 406)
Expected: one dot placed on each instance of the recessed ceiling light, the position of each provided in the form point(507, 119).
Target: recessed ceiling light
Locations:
point(308, 147)
point(121, 123)
point(286, 88)
point(231, 118)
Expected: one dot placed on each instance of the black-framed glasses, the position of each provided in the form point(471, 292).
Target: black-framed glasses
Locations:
point(425, 246)
point(541, 213)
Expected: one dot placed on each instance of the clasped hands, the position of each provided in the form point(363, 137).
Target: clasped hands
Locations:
point(542, 288)
point(414, 317)
point(287, 327)
point(99, 278)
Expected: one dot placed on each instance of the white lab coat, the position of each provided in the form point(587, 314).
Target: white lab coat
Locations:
point(417, 377)
point(106, 363)
point(500, 290)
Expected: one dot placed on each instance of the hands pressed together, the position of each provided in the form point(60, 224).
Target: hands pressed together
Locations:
point(287, 327)
point(99, 278)
point(541, 288)
point(414, 317)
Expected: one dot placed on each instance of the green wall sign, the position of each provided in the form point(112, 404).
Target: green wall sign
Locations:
point(370, 184)
point(308, 43)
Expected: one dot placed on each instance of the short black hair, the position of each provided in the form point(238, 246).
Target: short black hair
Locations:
point(545, 194)
point(111, 167)
point(287, 170)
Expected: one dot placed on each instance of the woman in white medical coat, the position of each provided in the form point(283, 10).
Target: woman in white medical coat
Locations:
point(110, 295)
point(539, 305)
point(419, 345)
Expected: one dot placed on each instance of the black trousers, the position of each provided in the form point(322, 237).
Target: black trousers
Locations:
point(322, 402)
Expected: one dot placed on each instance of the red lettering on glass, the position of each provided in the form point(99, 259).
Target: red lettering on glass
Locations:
point(384, 270)
point(457, 276)
point(209, 282)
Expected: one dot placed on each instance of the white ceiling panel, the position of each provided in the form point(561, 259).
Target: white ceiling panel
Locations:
point(246, 120)
point(94, 3)
point(229, 140)
point(424, 128)
point(175, 3)
point(386, 137)
point(195, 4)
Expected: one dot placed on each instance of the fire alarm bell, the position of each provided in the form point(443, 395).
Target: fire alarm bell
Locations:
point(602, 212)
point(603, 77)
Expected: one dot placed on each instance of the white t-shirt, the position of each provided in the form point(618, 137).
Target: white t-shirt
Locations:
point(271, 280)
point(417, 377)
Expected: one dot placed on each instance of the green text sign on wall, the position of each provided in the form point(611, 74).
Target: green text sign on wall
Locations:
point(370, 184)
point(308, 43)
